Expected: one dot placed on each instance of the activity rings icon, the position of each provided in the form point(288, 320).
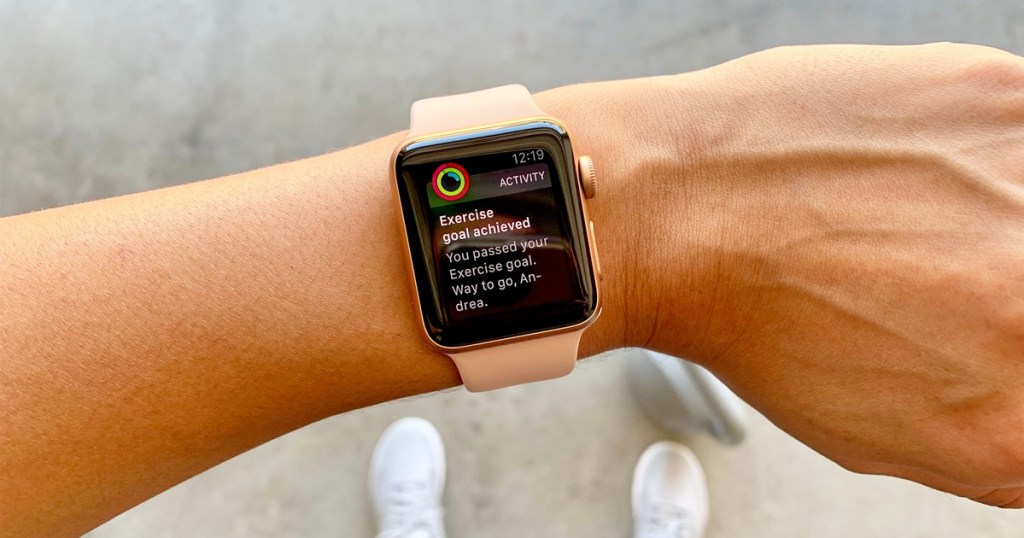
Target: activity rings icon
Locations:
point(451, 182)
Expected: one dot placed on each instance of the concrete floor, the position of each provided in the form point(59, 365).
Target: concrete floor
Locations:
point(104, 98)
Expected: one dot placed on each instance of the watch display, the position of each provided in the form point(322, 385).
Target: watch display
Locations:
point(496, 233)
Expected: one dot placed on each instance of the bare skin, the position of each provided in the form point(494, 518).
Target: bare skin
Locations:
point(838, 232)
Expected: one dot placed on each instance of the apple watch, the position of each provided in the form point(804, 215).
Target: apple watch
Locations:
point(501, 254)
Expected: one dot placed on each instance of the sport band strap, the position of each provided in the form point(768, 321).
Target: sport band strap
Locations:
point(519, 362)
point(454, 112)
point(505, 365)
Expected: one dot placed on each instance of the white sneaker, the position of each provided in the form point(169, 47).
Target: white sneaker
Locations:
point(407, 480)
point(670, 493)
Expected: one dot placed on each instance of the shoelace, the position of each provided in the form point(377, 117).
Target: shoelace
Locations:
point(410, 512)
point(665, 520)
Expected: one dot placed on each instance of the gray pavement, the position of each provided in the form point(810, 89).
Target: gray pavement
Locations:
point(105, 98)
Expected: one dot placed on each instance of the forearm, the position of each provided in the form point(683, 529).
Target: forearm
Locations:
point(148, 337)
point(820, 238)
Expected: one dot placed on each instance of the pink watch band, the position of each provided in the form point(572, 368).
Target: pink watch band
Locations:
point(527, 361)
point(453, 112)
point(524, 361)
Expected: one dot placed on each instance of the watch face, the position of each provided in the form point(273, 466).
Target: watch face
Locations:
point(496, 233)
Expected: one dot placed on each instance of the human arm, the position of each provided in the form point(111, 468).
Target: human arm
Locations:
point(867, 236)
point(146, 338)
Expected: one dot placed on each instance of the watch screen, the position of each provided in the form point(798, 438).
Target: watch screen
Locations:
point(496, 234)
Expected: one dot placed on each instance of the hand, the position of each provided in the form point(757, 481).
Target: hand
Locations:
point(843, 244)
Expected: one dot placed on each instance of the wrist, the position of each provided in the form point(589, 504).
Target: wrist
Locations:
point(660, 238)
